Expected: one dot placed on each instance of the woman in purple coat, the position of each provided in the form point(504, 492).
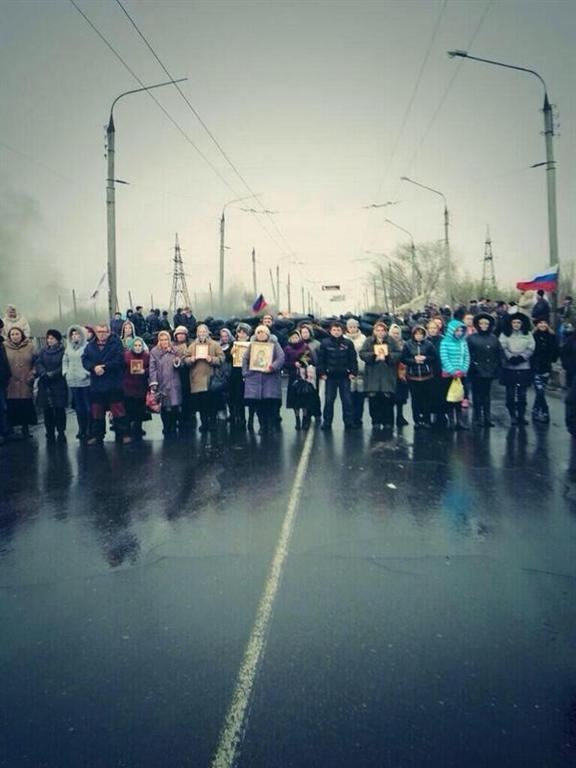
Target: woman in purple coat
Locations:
point(165, 381)
point(263, 388)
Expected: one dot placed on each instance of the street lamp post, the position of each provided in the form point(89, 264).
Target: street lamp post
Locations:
point(553, 256)
point(111, 195)
point(447, 261)
point(412, 251)
point(222, 246)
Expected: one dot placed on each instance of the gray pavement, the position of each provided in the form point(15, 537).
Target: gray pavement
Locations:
point(426, 614)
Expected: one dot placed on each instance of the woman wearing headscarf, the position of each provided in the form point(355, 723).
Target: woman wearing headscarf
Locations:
point(135, 386)
point(226, 341)
point(307, 333)
point(77, 378)
point(186, 417)
point(128, 334)
point(236, 385)
point(434, 329)
point(518, 346)
point(164, 381)
point(455, 359)
point(263, 388)
point(52, 388)
point(15, 319)
point(357, 338)
point(301, 375)
point(402, 388)
point(203, 357)
point(19, 392)
point(381, 354)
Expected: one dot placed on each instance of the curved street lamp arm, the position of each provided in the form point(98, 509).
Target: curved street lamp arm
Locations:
point(465, 55)
point(430, 189)
point(139, 90)
point(410, 235)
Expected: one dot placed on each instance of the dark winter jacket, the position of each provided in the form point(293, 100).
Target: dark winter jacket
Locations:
point(337, 357)
point(135, 378)
point(568, 356)
point(412, 348)
point(110, 355)
point(485, 352)
point(139, 323)
point(52, 388)
point(541, 311)
point(380, 375)
point(546, 351)
point(4, 366)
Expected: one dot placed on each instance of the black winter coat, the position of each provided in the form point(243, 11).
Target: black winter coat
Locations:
point(419, 371)
point(485, 355)
point(52, 387)
point(4, 366)
point(546, 351)
point(337, 357)
point(111, 355)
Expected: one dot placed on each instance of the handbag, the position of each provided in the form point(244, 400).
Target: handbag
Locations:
point(455, 392)
point(301, 387)
point(220, 378)
point(153, 402)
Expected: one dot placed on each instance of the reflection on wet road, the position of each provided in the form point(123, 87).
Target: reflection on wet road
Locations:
point(425, 615)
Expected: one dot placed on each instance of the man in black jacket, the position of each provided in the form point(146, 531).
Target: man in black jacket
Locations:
point(337, 364)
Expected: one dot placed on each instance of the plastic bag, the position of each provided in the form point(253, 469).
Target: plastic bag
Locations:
point(455, 392)
point(153, 402)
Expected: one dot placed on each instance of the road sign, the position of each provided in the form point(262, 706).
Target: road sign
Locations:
point(330, 287)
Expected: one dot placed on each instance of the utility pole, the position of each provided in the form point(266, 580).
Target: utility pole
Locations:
point(131, 304)
point(303, 302)
point(288, 294)
point(273, 287)
point(179, 296)
point(211, 297)
point(151, 301)
point(278, 285)
point(488, 275)
point(254, 272)
point(60, 307)
point(74, 304)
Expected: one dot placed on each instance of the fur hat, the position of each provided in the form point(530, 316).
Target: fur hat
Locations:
point(55, 333)
point(244, 327)
point(180, 329)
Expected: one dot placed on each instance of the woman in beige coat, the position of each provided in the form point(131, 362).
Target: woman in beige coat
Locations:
point(204, 355)
point(19, 394)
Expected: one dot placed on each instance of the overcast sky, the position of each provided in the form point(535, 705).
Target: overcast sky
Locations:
point(321, 106)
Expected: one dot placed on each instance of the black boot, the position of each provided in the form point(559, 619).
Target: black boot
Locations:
point(487, 417)
point(298, 422)
point(477, 420)
point(400, 420)
point(521, 411)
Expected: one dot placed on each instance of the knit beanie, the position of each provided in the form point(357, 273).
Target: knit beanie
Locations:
point(55, 333)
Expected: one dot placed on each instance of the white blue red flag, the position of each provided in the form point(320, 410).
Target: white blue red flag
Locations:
point(545, 281)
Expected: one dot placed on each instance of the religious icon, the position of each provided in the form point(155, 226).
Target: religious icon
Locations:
point(261, 354)
point(381, 351)
point(201, 351)
point(137, 367)
point(238, 350)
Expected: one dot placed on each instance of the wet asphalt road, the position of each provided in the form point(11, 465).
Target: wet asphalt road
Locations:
point(426, 615)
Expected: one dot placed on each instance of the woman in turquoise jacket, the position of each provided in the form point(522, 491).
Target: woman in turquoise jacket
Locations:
point(455, 360)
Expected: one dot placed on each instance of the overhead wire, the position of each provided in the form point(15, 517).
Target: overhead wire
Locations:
point(165, 111)
point(442, 101)
point(203, 124)
point(410, 104)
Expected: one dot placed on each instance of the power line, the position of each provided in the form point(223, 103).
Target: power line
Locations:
point(410, 104)
point(151, 95)
point(202, 123)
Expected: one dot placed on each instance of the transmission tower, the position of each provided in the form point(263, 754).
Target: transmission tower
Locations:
point(488, 276)
point(179, 296)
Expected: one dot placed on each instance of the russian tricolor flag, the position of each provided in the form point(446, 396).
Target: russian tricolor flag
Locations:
point(259, 304)
point(545, 281)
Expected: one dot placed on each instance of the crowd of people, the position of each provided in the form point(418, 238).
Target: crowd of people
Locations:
point(202, 375)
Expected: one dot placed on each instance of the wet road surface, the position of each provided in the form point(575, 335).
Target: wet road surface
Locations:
point(425, 617)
